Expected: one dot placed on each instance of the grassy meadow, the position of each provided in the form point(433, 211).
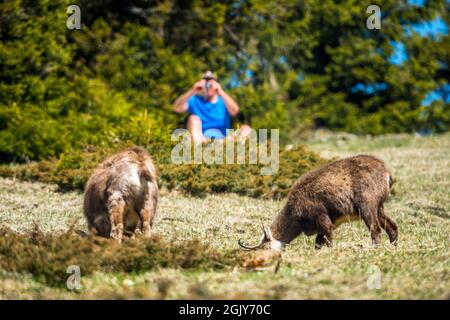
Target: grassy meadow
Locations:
point(418, 268)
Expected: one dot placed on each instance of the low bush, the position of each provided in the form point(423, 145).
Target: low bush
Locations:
point(72, 169)
point(47, 256)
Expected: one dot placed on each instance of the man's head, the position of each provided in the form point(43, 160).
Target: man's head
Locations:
point(210, 88)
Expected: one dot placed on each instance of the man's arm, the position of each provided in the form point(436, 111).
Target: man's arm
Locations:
point(181, 104)
point(231, 105)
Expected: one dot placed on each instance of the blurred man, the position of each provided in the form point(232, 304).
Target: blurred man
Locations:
point(210, 109)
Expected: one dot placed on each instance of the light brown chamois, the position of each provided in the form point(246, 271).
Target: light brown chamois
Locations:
point(121, 195)
point(322, 199)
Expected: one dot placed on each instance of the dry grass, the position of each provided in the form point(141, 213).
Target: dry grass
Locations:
point(418, 268)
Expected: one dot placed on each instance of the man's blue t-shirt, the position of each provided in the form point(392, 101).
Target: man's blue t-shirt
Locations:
point(213, 115)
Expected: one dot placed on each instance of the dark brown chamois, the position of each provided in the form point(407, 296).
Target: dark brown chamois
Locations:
point(322, 199)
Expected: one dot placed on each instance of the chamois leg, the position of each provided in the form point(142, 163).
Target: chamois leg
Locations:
point(147, 214)
point(138, 230)
point(388, 225)
point(325, 236)
point(116, 207)
point(370, 218)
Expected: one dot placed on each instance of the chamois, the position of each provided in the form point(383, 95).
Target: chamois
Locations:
point(121, 195)
point(319, 201)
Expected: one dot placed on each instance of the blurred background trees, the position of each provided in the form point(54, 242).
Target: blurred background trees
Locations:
point(293, 65)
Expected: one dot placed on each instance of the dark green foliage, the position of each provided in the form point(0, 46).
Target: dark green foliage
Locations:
point(291, 65)
point(47, 256)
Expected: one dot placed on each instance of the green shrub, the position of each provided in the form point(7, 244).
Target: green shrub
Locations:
point(63, 90)
point(72, 170)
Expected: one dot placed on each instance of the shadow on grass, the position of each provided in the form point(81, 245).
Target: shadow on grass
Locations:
point(435, 211)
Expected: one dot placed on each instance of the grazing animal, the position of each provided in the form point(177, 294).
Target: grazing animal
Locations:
point(322, 199)
point(121, 195)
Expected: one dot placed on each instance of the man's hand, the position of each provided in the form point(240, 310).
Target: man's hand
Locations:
point(218, 88)
point(198, 86)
